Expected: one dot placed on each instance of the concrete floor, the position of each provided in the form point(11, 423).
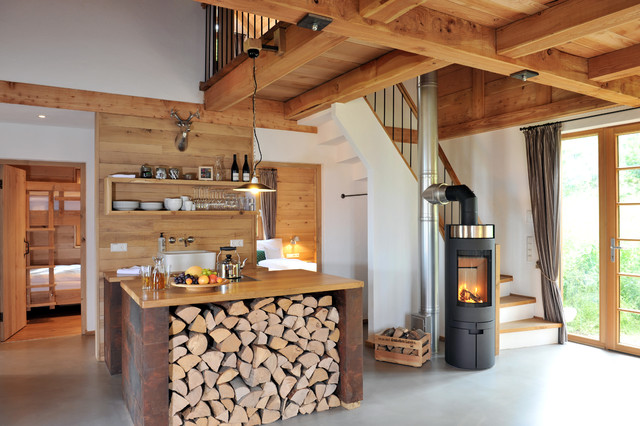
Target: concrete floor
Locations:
point(58, 382)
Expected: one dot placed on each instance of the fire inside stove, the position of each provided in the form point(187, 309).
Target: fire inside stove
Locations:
point(472, 280)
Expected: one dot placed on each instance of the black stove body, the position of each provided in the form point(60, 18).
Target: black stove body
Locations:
point(470, 296)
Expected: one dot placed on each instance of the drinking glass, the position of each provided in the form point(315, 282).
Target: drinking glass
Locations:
point(145, 272)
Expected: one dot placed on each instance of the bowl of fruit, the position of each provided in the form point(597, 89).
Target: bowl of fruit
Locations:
point(197, 277)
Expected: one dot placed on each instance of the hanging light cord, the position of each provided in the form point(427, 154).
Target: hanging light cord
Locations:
point(255, 135)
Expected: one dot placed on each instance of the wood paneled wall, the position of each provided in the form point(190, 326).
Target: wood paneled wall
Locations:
point(299, 208)
point(123, 144)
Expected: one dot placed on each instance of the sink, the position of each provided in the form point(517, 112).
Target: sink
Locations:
point(182, 259)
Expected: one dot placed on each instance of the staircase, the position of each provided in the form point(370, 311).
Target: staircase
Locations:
point(517, 325)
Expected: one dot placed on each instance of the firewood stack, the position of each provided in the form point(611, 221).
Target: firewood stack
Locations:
point(401, 333)
point(253, 363)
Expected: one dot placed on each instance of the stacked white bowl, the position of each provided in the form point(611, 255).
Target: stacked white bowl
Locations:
point(172, 204)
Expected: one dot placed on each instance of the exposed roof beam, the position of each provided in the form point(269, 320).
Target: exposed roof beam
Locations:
point(301, 46)
point(618, 64)
point(269, 113)
point(387, 70)
point(563, 23)
point(434, 34)
point(387, 10)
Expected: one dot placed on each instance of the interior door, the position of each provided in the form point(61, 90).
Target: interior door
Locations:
point(13, 263)
point(623, 281)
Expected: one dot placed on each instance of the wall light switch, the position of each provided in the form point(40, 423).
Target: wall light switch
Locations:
point(118, 247)
point(292, 255)
point(237, 243)
point(531, 249)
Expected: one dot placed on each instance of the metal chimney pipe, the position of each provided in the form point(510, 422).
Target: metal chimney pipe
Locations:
point(428, 220)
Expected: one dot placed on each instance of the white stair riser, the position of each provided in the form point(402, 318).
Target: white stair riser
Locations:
point(346, 154)
point(505, 289)
point(517, 313)
point(523, 339)
point(359, 172)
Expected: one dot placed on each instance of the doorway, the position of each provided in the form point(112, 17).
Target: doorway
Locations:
point(50, 276)
point(601, 238)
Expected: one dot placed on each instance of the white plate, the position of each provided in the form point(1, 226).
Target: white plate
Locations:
point(126, 205)
point(151, 205)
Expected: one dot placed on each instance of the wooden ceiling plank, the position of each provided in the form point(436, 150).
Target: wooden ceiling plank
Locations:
point(448, 38)
point(269, 114)
point(387, 10)
point(301, 46)
point(387, 70)
point(618, 64)
point(560, 24)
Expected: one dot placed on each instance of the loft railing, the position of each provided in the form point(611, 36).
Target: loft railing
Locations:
point(398, 114)
point(225, 32)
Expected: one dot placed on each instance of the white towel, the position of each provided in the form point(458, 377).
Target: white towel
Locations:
point(123, 175)
point(134, 270)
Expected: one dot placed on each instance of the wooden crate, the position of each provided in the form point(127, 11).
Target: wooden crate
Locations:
point(422, 346)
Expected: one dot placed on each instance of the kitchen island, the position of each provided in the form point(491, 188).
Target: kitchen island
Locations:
point(146, 318)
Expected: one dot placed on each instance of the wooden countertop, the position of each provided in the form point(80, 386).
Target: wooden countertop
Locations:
point(267, 284)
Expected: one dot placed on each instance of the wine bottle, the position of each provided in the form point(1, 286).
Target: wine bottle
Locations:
point(235, 172)
point(246, 174)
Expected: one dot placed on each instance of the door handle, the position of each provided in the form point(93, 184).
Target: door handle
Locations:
point(613, 248)
point(27, 248)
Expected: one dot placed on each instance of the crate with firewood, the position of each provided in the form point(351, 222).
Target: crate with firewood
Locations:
point(403, 346)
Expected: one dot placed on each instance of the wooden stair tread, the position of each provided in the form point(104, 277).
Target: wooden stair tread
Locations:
point(504, 278)
point(527, 325)
point(515, 300)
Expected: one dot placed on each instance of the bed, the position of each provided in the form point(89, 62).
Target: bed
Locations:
point(67, 279)
point(270, 255)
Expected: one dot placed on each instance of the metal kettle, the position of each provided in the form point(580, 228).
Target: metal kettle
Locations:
point(228, 261)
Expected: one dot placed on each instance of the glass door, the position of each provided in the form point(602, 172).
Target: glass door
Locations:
point(623, 228)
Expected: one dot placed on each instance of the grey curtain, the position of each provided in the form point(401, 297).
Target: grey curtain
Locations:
point(543, 164)
point(269, 202)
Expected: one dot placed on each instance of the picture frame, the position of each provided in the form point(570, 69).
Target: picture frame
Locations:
point(205, 173)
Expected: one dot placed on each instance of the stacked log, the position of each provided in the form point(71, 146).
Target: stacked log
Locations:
point(403, 346)
point(401, 333)
point(253, 362)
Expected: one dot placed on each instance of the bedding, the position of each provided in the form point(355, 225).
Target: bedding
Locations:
point(282, 264)
point(66, 277)
point(272, 248)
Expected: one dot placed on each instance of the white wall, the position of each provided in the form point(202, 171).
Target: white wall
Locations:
point(62, 144)
point(344, 238)
point(392, 218)
point(151, 48)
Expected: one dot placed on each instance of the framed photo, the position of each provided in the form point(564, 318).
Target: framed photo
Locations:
point(205, 173)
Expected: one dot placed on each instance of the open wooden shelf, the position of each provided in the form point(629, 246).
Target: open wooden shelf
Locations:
point(109, 183)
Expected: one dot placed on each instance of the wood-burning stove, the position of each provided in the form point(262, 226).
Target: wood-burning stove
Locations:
point(470, 296)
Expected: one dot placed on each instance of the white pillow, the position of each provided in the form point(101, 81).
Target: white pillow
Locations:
point(272, 248)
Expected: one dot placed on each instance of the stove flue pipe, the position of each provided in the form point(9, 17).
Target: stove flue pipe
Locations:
point(441, 193)
point(427, 316)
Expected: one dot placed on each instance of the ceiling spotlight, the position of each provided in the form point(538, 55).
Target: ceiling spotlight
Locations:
point(314, 22)
point(524, 75)
point(42, 116)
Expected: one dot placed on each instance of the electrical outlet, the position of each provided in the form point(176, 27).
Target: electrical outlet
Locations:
point(118, 247)
point(291, 255)
point(237, 243)
point(531, 248)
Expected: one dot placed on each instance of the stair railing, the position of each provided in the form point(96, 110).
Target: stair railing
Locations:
point(397, 111)
point(225, 32)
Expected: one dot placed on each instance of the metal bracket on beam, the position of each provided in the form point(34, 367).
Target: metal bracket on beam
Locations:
point(253, 46)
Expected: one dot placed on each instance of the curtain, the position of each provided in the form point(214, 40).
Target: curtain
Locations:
point(269, 202)
point(543, 165)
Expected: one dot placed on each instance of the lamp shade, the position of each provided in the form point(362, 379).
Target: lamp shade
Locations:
point(254, 187)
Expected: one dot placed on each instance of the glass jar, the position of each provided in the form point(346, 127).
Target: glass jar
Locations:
point(161, 172)
point(146, 172)
point(218, 170)
point(174, 173)
point(158, 274)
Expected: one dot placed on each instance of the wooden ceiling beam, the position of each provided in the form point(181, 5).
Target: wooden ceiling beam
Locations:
point(387, 70)
point(269, 115)
point(560, 24)
point(434, 34)
point(301, 46)
point(387, 10)
point(617, 64)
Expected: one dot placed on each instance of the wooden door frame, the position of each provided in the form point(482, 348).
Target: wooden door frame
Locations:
point(83, 224)
point(318, 170)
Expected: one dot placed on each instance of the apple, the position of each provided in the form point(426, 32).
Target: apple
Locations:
point(212, 278)
point(219, 280)
point(203, 280)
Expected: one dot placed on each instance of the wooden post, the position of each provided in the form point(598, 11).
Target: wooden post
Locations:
point(349, 305)
point(113, 326)
point(145, 370)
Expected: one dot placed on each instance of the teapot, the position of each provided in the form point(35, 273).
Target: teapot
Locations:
point(228, 261)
